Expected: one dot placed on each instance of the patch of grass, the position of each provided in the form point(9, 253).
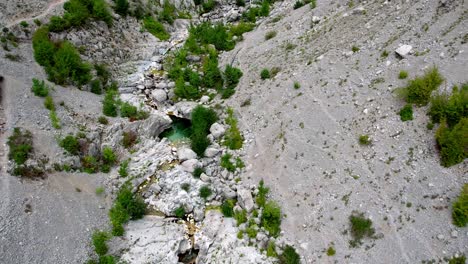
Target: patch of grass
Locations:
point(70, 144)
point(331, 251)
point(168, 13)
point(198, 172)
point(403, 75)
point(232, 76)
point(99, 242)
point(155, 28)
point(103, 120)
point(179, 212)
point(240, 216)
point(233, 138)
point(54, 120)
point(261, 197)
point(127, 206)
point(13, 57)
point(205, 192)
point(289, 256)
point(297, 85)
point(241, 28)
point(419, 90)
point(185, 187)
point(129, 139)
point(313, 4)
point(20, 145)
point(227, 208)
point(108, 156)
point(271, 218)
point(453, 143)
point(123, 169)
point(202, 119)
point(100, 190)
point(458, 260)
point(207, 33)
point(271, 250)
point(49, 103)
point(121, 7)
point(39, 88)
point(96, 87)
point(355, 49)
point(361, 227)
point(109, 105)
point(226, 162)
point(364, 140)
point(265, 74)
point(384, 54)
point(450, 107)
point(406, 113)
point(270, 34)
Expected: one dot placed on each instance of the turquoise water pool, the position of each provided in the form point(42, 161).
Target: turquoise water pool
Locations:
point(180, 130)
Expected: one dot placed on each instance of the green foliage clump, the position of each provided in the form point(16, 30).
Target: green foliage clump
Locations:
point(271, 218)
point(240, 216)
point(109, 105)
point(233, 138)
point(78, 12)
point(197, 172)
point(99, 242)
point(331, 251)
point(212, 77)
point(355, 49)
point(298, 4)
point(156, 28)
point(90, 164)
point(232, 76)
point(20, 144)
point(101, 12)
point(205, 192)
point(453, 143)
point(96, 86)
point(227, 208)
point(179, 212)
point(458, 260)
point(123, 169)
point(168, 13)
point(121, 7)
point(39, 88)
point(49, 103)
point(364, 140)
point(270, 35)
point(271, 250)
point(403, 75)
point(262, 194)
point(127, 206)
point(361, 227)
point(226, 162)
point(202, 119)
point(70, 144)
point(207, 33)
point(420, 89)
point(54, 119)
point(184, 90)
point(103, 120)
point(208, 6)
point(406, 113)
point(451, 108)
point(265, 74)
point(313, 4)
point(460, 208)
point(241, 28)
point(289, 256)
point(108, 156)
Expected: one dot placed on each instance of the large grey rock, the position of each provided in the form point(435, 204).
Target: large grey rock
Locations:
point(190, 165)
point(217, 130)
point(154, 125)
point(159, 95)
point(184, 109)
point(404, 50)
point(211, 152)
point(245, 199)
point(186, 154)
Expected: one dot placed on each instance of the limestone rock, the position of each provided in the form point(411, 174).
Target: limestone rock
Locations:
point(404, 50)
point(217, 130)
point(186, 154)
point(245, 199)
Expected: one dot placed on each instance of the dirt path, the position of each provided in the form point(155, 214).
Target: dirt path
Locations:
point(51, 7)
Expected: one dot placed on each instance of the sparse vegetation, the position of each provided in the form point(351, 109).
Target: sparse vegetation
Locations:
point(227, 208)
point(271, 250)
point(70, 144)
point(20, 144)
point(123, 169)
point(265, 74)
point(453, 142)
point(355, 49)
point(233, 138)
point(297, 85)
point(240, 216)
point(331, 251)
point(156, 28)
point(403, 75)
point(458, 260)
point(99, 242)
point(202, 119)
point(406, 113)
point(262, 194)
point(205, 192)
point(198, 172)
point(420, 89)
point(361, 227)
point(127, 206)
point(179, 212)
point(109, 105)
point(460, 208)
point(271, 218)
point(289, 256)
point(364, 140)
point(270, 35)
point(39, 88)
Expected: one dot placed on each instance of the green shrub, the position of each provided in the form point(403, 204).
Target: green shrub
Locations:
point(364, 140)
point(39, 88)
point(128, 110)
point(419, 90)
point(183, 90)
point(240, 2)
point(108, 156)
point(265, 8)
point(403, 75)
point(123, 170)
point(168, 12)
point(208, 6)
point(226, 162)
point(109, 105)
point(241, 28)
point(103, 73)
point(54, 120)
point(271, 218)
point(297, 85)
point(227, 208)
point(43, 47)
point(460, 208)
point(451, 108)
point(298, 4)
point(207, 33)
point(96, 86)
point(458, 260)
point(99, 242)
point(406, 113)
point(58, 24)
point(361, 227)
point(262, 194)
point(197, 172)
point(107, 259)
point(313, 4)
point(126, 206)
point(100, 190)
point(212, 75)
point(331, 251)
point(20, 144)
point(70, 144)
point(49, 103)
point(271, 250)
point(90, 164)
point(384, 54)
point(101, 12)
point(103, 120)
point(24, 24)
point(202, 119)
point(240, 216)
point(179, 212)
point(205, 192)
point(453, 143)
point(289, 256)
point(270, 35)
point(121, 7)
point(156, 28)
point(355, 49)
point(265, 74)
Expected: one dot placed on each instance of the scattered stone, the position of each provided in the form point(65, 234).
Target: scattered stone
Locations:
point(404, 50)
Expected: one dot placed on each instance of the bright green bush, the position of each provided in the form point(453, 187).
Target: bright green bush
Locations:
point(406, 113)
point(183, 90)
point(453, 143)
point(271, 218)
point(109, 105)
point(207, 33)
point(231, 79)
point(208, 5)
point(123, 170)
point(20, 145)
point(101, 11)
point(43, 47)
point(99, 242)
point(451, 108)
point(364, 140)
point(458, 260)
point(240, 216)
point(265, 74)
point(262, 194)
point(233, 138)
point(96, 86)
point(128, 110)
point(212, 77)
point(271, 250)
point(70, 144)
point(289, 256)
point(168, 13)
point(49, 103)
point(202, 119)
point(179, 212)
point(108, 156)
point(39, 88)
point(226, 162)
point(156, 28)
point(68, 66)
point(360, 227)
point(241, 28)
point(197, 172)
point(460, 208)
point(227, 208)
point(127, 206)
point(205, 192)
point(420, 89)
point(403, 75)
point(270, 35)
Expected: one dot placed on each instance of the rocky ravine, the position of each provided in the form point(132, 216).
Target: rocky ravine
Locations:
point(303, 142)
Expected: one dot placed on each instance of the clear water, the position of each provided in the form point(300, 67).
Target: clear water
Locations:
point(180, 130)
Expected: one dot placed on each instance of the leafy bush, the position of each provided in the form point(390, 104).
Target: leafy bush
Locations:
point(128, 110)
point(90, 164)
point(99, 241)
point(240, 216)
point(156, 28)
point(458, 260)
point(205, 192)
point(331, 251)
point(270, 35)
point(39, 88)
point(233, 138)
point(197, 172)
point(109, 105)
point(226, 162)
point(43, 47)
point(103, 120)
point(419, 90)
point(207, 33)
point(262, 194)
point(406, 113)
point(208, 5)
point(54, 119)
point(271, 218)
point(70, 144)
point(364, 140)
point(212, 77)
point(403, 75)
point(20, 144)
point(168, 12)
point(265, 74)
point(108, 156)
point(96, 86)
point(271, 250)
point(453, 143)
point(289, 256)
point(451, 108)
point(183, 90)
point(49, 103)
point(298, 4)
point(355, 49)
point(126, 206)
point(179, 212)
point(231, 79)
point(227, 208)
point(101, 12)
point(121, 7)
point(360, 227)
point(460, 208)
point(241, 28)
point(123, 170)
point(102, 72)
point(313, 4)
point(297, 85)
point(202, 119)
